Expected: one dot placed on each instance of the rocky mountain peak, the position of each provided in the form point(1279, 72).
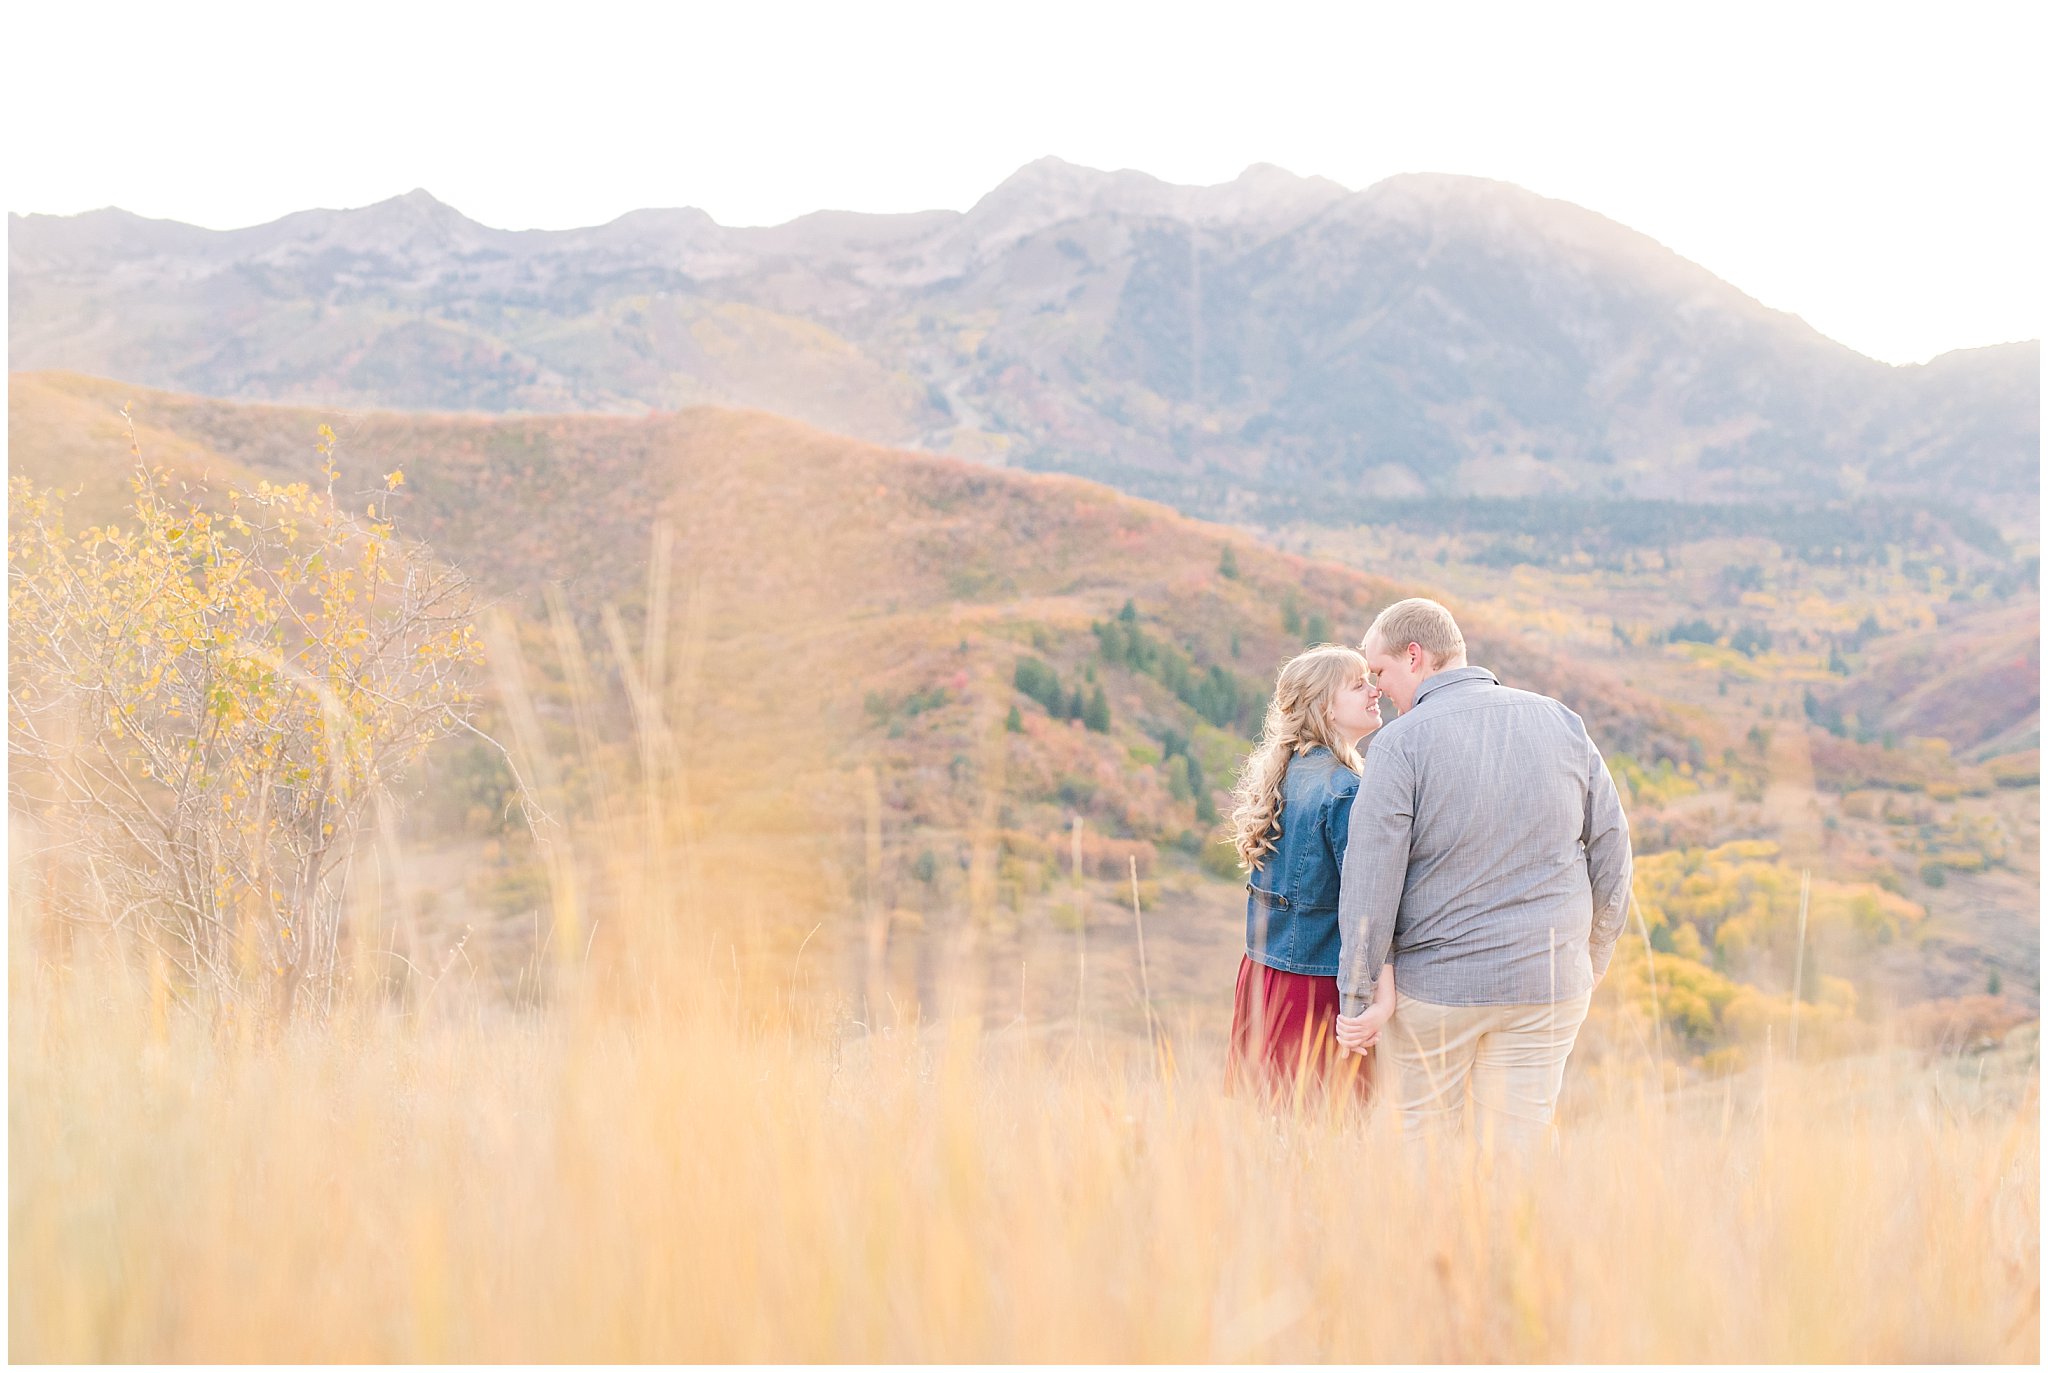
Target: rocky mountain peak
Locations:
point(414, 229)
point(417, 210)
point(1274, 333)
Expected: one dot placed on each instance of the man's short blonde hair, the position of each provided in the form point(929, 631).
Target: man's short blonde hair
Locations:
point(1421, 621)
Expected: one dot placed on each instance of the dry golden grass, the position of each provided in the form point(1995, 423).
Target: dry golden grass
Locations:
point(724, 1178)
point(693, 1152)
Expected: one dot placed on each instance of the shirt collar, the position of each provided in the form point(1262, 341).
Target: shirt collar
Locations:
point(1452, 677)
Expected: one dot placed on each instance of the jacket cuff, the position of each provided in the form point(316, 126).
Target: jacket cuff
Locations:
point(1347, 1004)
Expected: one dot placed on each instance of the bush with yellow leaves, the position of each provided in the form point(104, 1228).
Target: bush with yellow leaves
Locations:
point(204, 706)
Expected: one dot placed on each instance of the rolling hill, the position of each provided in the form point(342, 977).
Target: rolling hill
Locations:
point(851, 675)
point(838, 612)
point(1987, 705)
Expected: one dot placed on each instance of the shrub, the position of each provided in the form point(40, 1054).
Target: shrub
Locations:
point(1219, 859)
point(2017, 769)
point(924, 699)
point(1750, 640)
point(1076, 792)
point(210, 704)
point(1111, 858)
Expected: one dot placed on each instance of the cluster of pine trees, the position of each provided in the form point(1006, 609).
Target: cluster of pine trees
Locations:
point(1746, 639)
point(1042, 684)
point(1184, 775)
point(1216, 695)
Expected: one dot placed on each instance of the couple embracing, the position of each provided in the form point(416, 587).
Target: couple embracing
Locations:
point(1441, 892)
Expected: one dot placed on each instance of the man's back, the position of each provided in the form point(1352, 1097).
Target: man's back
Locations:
point(1488, 853)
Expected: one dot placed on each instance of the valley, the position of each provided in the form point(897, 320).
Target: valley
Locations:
point(1875, 714)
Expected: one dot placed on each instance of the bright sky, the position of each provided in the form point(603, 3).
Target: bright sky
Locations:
point(1876, 169)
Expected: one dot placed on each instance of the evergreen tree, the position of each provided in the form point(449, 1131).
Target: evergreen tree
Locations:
point(1015, 722)
point(1096, 714)
point(1040, 683)
point(1750, 640)
point(1217, 698)
point(1109, 640)
point(1228, 566)
point(1075, 706)
point(1177, 778)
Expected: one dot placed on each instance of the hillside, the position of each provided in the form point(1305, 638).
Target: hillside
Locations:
point(1876, 720)
point(837, 608)
point(854, 690)
point(1275, 342)
point(1988, 705)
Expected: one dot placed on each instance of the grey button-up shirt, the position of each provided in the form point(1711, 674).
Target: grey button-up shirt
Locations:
point(1488, 856)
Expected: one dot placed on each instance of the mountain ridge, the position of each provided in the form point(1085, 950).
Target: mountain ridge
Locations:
point(423, 206)
point(1215, 347)
point(422, 203)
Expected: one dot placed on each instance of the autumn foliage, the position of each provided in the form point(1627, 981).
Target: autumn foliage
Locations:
point(205, 707)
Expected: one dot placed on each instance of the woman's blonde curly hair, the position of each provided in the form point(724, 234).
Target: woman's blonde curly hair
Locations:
point(1297, 720)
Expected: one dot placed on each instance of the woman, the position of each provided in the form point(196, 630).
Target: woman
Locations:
point(1292, 818)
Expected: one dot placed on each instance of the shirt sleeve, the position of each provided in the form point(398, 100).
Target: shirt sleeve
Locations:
point(1610, 862)
point(1375, 869)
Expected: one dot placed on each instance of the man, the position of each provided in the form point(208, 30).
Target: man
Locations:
point(1489, 859)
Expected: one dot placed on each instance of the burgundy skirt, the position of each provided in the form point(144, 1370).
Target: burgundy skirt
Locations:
point(1283, 1036)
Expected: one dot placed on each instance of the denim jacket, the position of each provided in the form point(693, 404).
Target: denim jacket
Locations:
point(1290, 915)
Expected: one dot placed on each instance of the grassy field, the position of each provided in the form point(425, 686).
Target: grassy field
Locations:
point(717, 1169)
point(815, 1034)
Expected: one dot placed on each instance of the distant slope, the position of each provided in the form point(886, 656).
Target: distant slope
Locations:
point(1272, 338)
point(1974, 681)
point(843, 605)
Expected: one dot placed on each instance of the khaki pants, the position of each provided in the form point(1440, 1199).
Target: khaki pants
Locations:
point(1511, 1058)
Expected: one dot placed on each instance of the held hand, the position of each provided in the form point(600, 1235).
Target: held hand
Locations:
point(1357, 1033)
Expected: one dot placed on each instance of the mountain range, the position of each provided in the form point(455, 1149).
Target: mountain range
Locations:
point(1272, 343)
